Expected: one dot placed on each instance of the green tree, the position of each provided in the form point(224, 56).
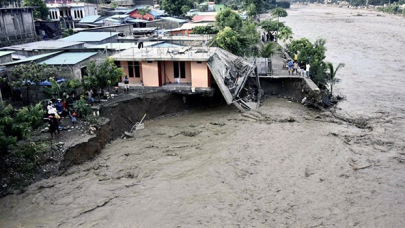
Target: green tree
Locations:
point(279, 12)
point(252, 10)
point(18, 124)
point(40, 9)
point(259, 4)
point(185, 9)
point(248, 37)
point(62, 90)
point(285, 34)
point(332, 75)
point(269, 49)
point(228, 18)
point(229, 40)
point(205, 30)
point(113, 5)
point(30, 75)
point(233, 6)
point(174, 7)
point(271, 26)
point(102, 75)
point(203, 8)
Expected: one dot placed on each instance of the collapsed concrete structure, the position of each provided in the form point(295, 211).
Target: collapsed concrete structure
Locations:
point(192, 71)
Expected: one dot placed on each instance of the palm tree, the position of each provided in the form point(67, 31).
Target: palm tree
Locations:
point(332, 74)
point(268, 50)
point(279, 12)
point(285, 34)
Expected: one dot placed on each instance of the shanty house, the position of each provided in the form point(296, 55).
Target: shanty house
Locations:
point(72, 64)
point(93, 37)
point(16, 24)
point(5, 56)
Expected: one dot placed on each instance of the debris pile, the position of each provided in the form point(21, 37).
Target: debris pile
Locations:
point(231, 74)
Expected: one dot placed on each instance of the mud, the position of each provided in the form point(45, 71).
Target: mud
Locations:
point(281, 166)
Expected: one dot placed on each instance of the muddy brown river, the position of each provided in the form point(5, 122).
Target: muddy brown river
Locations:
point(282, 166)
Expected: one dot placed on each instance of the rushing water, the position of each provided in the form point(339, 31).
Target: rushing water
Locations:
point(284, 166)
point(372, 47)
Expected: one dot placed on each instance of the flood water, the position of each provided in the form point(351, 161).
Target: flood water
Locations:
point(283, 166)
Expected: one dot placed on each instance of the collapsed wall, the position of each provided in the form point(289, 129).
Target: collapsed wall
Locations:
point(231, 73)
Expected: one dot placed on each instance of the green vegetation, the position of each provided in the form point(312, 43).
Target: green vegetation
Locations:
point(174, 7)
point(314, 54)
point(67, 32)
point(228, 39)
point(228, 18)
point(81, 107)
point(18, 124)
point(332, 75)
point(205, 30)
point(102, 75)
point(279, 12)
point(62, 90)
point(269, 49)
point(41, 11)
point(113, 5)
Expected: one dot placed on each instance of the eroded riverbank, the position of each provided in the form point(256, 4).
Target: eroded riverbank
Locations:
point(283, 165)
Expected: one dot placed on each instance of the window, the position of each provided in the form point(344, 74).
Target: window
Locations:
point(176, 69)
point(137, 70)
point(199, 62)
point(182, 69)
point(134, 66)
point(179, 69)
point(117, 63)
point(131, 69)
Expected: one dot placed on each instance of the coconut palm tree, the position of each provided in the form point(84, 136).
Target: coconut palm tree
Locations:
point(269, 49)
point(279, 12)
point(332, 74)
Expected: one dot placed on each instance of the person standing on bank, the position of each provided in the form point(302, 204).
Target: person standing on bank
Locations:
point(126, 82)
point(307, 67)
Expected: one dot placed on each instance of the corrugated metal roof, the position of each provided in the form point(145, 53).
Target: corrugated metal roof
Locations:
point(69, 58)
point(3, 53)
point(178, 20)
point(90, 36)
point(43, 45)
point(32, 58)
point(90, 19)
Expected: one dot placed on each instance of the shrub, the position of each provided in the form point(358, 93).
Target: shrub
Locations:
point(205, 30)
point(81, 107)
point(18, 124)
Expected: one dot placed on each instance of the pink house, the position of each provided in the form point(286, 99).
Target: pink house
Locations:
point(166, 68)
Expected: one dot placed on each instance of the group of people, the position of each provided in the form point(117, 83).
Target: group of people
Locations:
point(301, 69)
point(55, 111)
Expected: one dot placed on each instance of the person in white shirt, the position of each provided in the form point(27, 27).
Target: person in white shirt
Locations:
point(307, 67)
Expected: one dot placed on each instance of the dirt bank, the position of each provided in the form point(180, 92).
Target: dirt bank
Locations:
point(283, 165)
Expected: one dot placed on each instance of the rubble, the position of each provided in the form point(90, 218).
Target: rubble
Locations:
point(236, 79)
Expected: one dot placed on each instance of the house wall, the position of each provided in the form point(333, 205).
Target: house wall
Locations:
point(199, 74)
point(150, 74)
point(5, 58)
point(168, 70)
point(124, 65)
point(182, 32)
point(16, 24)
